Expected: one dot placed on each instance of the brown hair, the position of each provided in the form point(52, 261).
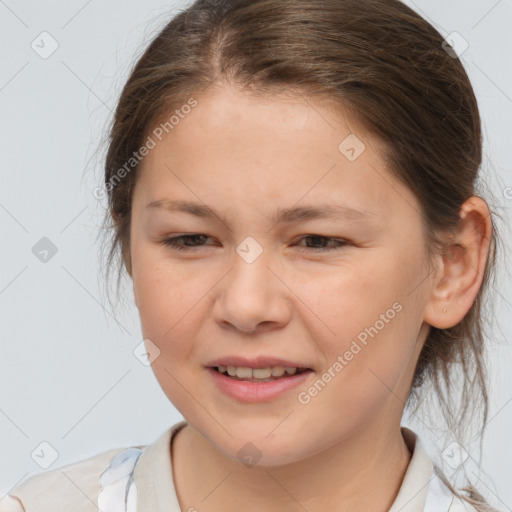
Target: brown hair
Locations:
point(376, 58)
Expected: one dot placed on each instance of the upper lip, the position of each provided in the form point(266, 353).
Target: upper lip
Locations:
point(257, 362)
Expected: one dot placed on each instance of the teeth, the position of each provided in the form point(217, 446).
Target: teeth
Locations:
point(257, 373)
point(243, 373)
point(260, 373)
point(277, 371)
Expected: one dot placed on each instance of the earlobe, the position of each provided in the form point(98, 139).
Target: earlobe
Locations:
point(462, 267)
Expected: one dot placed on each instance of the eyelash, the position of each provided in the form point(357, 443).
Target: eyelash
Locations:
point(173, 244)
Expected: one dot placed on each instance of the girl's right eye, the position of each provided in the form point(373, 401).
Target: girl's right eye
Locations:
point(175, 243)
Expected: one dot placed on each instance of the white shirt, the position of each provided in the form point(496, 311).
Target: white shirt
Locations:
point(140, 479)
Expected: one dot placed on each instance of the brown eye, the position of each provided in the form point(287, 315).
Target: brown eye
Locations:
point(176, 242)
point(319, 240)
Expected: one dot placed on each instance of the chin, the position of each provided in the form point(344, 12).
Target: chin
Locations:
point(252, 449)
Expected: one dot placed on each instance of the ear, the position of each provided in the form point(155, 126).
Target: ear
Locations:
point(461, 267)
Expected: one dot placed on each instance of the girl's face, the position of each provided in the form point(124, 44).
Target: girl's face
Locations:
point(353, 312)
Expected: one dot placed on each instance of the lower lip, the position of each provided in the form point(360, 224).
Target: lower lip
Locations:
point(245, 391)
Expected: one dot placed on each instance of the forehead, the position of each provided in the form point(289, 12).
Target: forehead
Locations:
point(232, 147)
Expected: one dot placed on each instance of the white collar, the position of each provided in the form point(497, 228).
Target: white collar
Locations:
point(150, 485)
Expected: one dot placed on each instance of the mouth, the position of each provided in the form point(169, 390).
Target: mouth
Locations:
point(268, 374)
point(257, 385)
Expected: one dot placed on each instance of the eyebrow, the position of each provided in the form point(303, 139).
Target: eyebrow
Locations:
point(281, 216)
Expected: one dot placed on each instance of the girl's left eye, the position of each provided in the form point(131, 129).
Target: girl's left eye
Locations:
point(176, 242)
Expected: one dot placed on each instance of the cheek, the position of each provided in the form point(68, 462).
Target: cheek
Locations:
point(353, 297)
point(171, 304)
point(372, 323)
point(365, 367)
point(170, 317)
point(162, 290)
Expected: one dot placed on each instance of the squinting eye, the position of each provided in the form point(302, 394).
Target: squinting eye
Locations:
point(340, 243)
point(175, 243)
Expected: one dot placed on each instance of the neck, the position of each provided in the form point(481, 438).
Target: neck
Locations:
point(362, 472)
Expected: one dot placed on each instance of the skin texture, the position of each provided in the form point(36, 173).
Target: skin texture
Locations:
point(245, 157)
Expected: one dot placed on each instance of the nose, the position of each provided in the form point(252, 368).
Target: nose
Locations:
point(252, 296)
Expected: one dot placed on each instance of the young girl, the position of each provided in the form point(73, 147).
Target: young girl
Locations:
point(291, 185)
